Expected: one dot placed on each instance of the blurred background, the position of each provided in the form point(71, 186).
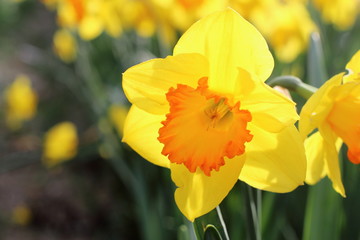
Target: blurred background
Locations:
point(64, 172)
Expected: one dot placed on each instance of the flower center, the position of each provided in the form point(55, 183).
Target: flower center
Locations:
point(344, 119)
point(202, 128)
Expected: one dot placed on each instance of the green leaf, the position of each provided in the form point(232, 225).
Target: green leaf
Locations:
point(324, 213)
point(317, 74)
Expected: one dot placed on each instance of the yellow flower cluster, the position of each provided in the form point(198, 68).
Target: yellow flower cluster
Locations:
point(286, 25)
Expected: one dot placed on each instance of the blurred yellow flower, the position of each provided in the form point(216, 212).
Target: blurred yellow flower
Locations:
point(65, 45)
point(247, 7)
point(117, 115)
point(21, 102)
point(174, 16)
point(341, 13)
point(21, 215)
point(285, 24)
point(138, 15)
point(335, 110)
point(91, 17)
point(207, 114)
point(60, 144)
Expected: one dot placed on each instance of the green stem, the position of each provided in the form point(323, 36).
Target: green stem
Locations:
point(294, 84)
point(255, 212)
point(211, 224)
point(222, 222)
point(259, 209)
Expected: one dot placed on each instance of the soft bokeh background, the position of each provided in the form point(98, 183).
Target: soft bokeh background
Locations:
point(64, 173)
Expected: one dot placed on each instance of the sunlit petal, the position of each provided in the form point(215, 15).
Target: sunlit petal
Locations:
point(146, 84)
point(314, 147)
point(270, 109)
point(197, 194)
point(229, 42)
point(141, 132)
point(318, 106)
point(331, 159)
point(274, 161)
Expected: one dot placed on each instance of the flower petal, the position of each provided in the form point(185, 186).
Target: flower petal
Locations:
point(141, 132)
point(318, 106)
point(229, 42)
point(146, 84)
point(274, 161)
point(197, 194)
point(331, 158)
point(270, 109)
point(314, 148)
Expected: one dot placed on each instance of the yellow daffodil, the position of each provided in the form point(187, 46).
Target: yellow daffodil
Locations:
point(341, 13)
point(60, 144)
point(21, 102)
point(65, 45)
point(335, 111)
point(207, 114)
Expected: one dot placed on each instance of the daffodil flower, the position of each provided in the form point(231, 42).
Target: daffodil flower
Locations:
point(341, 13)
point(60, 144)
point(207, 114)
point(335, 111)
point(21, 102)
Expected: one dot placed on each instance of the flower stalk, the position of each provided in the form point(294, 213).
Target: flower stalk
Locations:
point(211, 226)
point(294, 84)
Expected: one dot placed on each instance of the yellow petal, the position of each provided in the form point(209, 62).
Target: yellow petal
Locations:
point(229, 42)
point(197, 194)
point(331, 158)
point(274, 161)
point(270, 109)
point(314, 148)
point(146, 84)
point(141, 132)
point(318, 106)
point(353, 67)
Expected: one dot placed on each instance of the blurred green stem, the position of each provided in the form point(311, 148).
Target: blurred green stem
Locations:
point(98, 97)
point(256, 208)
point(294, 84)
point(259, 210)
